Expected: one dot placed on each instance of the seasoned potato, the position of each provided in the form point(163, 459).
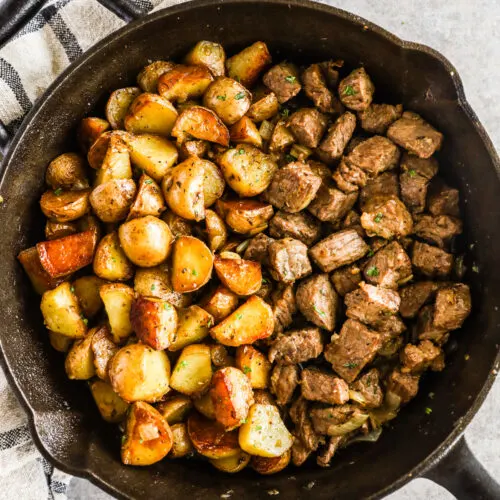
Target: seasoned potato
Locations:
point(192, 264)
point(55, 230)
point(194, 148)
point(270, 465)
point(264, 108)
point(98, 150)
point(232, 396)
point(216, 230)
point(205, 405)
point(213, 182)
point(89, 130)
point(232, 464)
point(117, 299)
point(247, 169)
point(79, 364)
point(175, 409)
point(184, 82)
point(116, 161)
point(111, 406)
point(86, 289)
point(67, 171)
point(65, 206)
point(139, 373)
point(150, 114)
point(177, 224)
point(245, 131)
point(254, 365)
point(252, 321)
point(264, 434)
point(243, 277)
point(220, 303)
point(193, 325)
point(39, 277)
point(118, 103)
point(281, 138)
point(220, 356)
point(147, 79)
point(247, 217)
point(210, 439)
point(149, 200)
point(193, 371)
point(228, 98)
point(208, 54)
point(60, 342)
point(91, 223)
point(247, 65)
point(110, 261)
point(148, 437)
point(181, 443)
point(112, 200)
point(154, 321)
point(146, 241)
point(200, 123)
point(61, 312)
point(104, 349)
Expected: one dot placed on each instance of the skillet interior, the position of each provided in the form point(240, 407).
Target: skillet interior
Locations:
point(67, 425)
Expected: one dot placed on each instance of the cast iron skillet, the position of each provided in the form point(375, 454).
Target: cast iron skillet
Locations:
point(63, 419)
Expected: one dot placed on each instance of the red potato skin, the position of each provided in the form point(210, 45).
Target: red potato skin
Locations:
point(40, 278)
point(243, 277)
point(90, 129)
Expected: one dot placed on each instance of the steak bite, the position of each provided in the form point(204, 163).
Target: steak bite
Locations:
point(431, 261)
point(323, 387)
point(339, 134)
point(284, 306)
point(296, 346)
point(308, 126)
point(453, 305)
point(418, 358)
point(346, 279)
point(413, 191)
point(377, 117)
point(338, 249)
point(288, 260)
point(415, 296)
point(366, 391)
point(424, 167)
point(326, 420)
point(356, 90)
point(349, 177)
point(331, 204)
point(414, 134)
point(318, 301)
point(427, 330)
point(389, 219)
point(300, 452)
point(283, 80)
point(299, 414)
point(315, 87)
point(352, 349)
point(257, 249)
point(284, 380)
point(380, 188)
point(374, 155)
point(299, 226)
point(443, 200)
point(438, 230)
point(327, 453)
point(404, 385)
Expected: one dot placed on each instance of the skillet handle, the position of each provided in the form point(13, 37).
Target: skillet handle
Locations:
point(463, 476)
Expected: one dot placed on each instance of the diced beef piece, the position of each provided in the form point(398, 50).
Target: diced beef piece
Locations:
point(443, 200)
point(418, 358)
point(284, 380)
point(353, 221)
point(318, 301)
point(374, 155)
point(331, 71)
point(391, 327)
point(352, 349)
point(369, 394)
point(413, 191)
point(300, 452)
point(338, 249)
point(299, 413)
point(404, 385)
point(382, 187)
point(377, 117)
point(377, 243)
point(389, 267)
point(415, 296)
point(315, 87)
point(284, 306)
point(320, 169)
point(331, 204)
point(325, 420)
point(293, 187)
point(283, 80)
point(349, 177)
point(257, 249)
point(388, 220)
point(296, 346)
point(339, 134)
point(300, 226)
point(371, 304)
point(427, 330)
point(323, 387)
point(414, 134)
point(326, 454)
point(439, 229)
point(288, 260)
point(308, 126)
point(356, 90)
point(431, 261)
point(346, 279)
point(453, 305)
point(263, 397)
point(425, 167)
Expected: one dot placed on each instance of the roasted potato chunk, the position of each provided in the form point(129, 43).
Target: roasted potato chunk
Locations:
point(89, 130)
point(220, 356)
point(281, 138)
point(117, 299)
point(205, 405)
point(110, 261)
point(247, 217)
point(104, 349)
point(213, 182)
point(86, 289)
point(181, 443)
point(264, 108)
point(79, 364)
point(194, 148)
point(270, 465)
point(39, 277)
point(220, 303)
point(149, 200)
point(254, 365)
point(67, 171)
point(193, 325)
point(112, 200)
point(245, 131)
point(177, 224)
point(208, 54)
point(116, 161)
point(55, 230)
point(111, 406)
point(175, 409)
point(233, 464)
point(147, 79)
point(184, 82)
point(99, 149)
point(60, 342)
point(193, 371)
point(243, 277)
point(247, 65)
point(65, 206)
point(216, 230)
point(118, 103)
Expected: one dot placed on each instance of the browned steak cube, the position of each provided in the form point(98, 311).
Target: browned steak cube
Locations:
point(331, 71)
point(339, 134)
point(284, 380)
point(414, 134)
point(414, 296)
point(439, 229)
point(296, 346)
point(380, 188)
point(315, 87)
point(320, 169)
point(413, 191)
point(284, 306)
point(288, 260)
point(443, 200)
point(299, 414)
point(388, 220)
point(283, 80)
point(418, 358)
point(353, 221)
point(374, 155)
point(324, 387)
point(300, 226)
point(300, 452)
point(404, 385)
point(377, 117)
point(331, 204)
point(346, 279)
point(356, 90)
point(257, 249)
point(308, 126)
point(318, 301)
point(427, 330)
point(453, 305)
point(389, 267)
point(368, 392)
point(326, 420)
point(431, 261)
point(349, 177)
point(351, 350)
point(391, 327)
point(325, 455)
point(338, 249)
point(425, 167)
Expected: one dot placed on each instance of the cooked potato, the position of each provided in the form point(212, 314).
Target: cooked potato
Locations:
point(90, 223)
point(177, 224)
point(220, 303)
point(98, 150)
point(243, 277)
point(146, 241)
point(193, 371)
point(247, 169)
point(220, 356)
point(139, 373)
point(61, 312)
point(67, 171)
point(270, 465)
point(281, 138)
point(86, 289)
point(208, 54)
point(232, 396)
point(112, 200)
point(149, 200)
point(264, 434)
point(232, 464)
point(254, 365)
point(216, 230)
point(148, 437)
point(247, 65)
point(59, 342)
point(252, 321)
point(247, 217)
point(118, 103)
point(194, 148)
point(147, 79)
point(116, 161)
point(192, 264)
point(104, 349)
point(154, 321)
point(110, 261)
point(245, 131)
point(89, 130)
point(79, 364)
point(213, 182)
point(117, 299)
point(175, 409)
point(150, 114)
point(111, 406)
point(39, 277)
point(228, 98)
point(55, 230)
point(193, 325)
point(65, 206)
point(153, 154)
point(264, 108)
point(205, 405)
point(184, 82)
point(210, 439)
point(181, 443)
point(200, 123)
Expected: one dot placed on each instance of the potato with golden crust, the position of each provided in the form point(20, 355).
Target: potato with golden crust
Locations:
point(175, 409)
point(233, 464)
point(193, 325)
point(220, 303)
point(254, 365)
point(177, 224)
point(247, 65)
point(118, 104)
point(181, 445)
point(99, 149)
point(281, 138)
point(39, 277)
point(194, 148)
point(216, 230)
point(264, 107)
point(67, 171)
point(110, 261)
point(116, 162)
point(243, 277)
point(55, 230)
point(149, 199)
point(104, 349)
point(111, 406)
point(148, 77)
point(112, 200)
point(60, 342)
point(208, 54)
point(193, 370)
point(213, 182)
point(79, 363)
point(247, 217)
point(270, 465)
point(184, 82)
point(204, 405)
point(89, 130)
point(117, 299)
point(65, 206)
point(245, 131)
point(86, 289)
point(220, 356)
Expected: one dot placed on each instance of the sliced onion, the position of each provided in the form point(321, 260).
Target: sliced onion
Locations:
point(371, 437)
point(351, 425)
point(358, 397)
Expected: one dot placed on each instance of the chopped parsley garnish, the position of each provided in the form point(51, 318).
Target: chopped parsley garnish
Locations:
point(412, 172)
point(289, 158)
point(153, 288)
point(246, 369)
point(370, 253)
point(72, 289)
point(475, 268)
point(349, 90)
point(84, 319)
point(258, 427)
point(291, 79)
point(285, 112)
point(194, 272)
point(124, 438)
point(182, 364)
point(428, 411)
point(372, 271)
point(58, 191)
point(221, 97)
point(148, 181)
point(239, 95)
point(350, 364)
point(241, 151)
point(244, 421)
point(166, 306)
point(378, 217)
point(264, 281)
point(113, 259)
point(318, 311)
point(239, 316)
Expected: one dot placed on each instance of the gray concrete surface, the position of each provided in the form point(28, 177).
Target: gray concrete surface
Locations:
point(467, 32)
